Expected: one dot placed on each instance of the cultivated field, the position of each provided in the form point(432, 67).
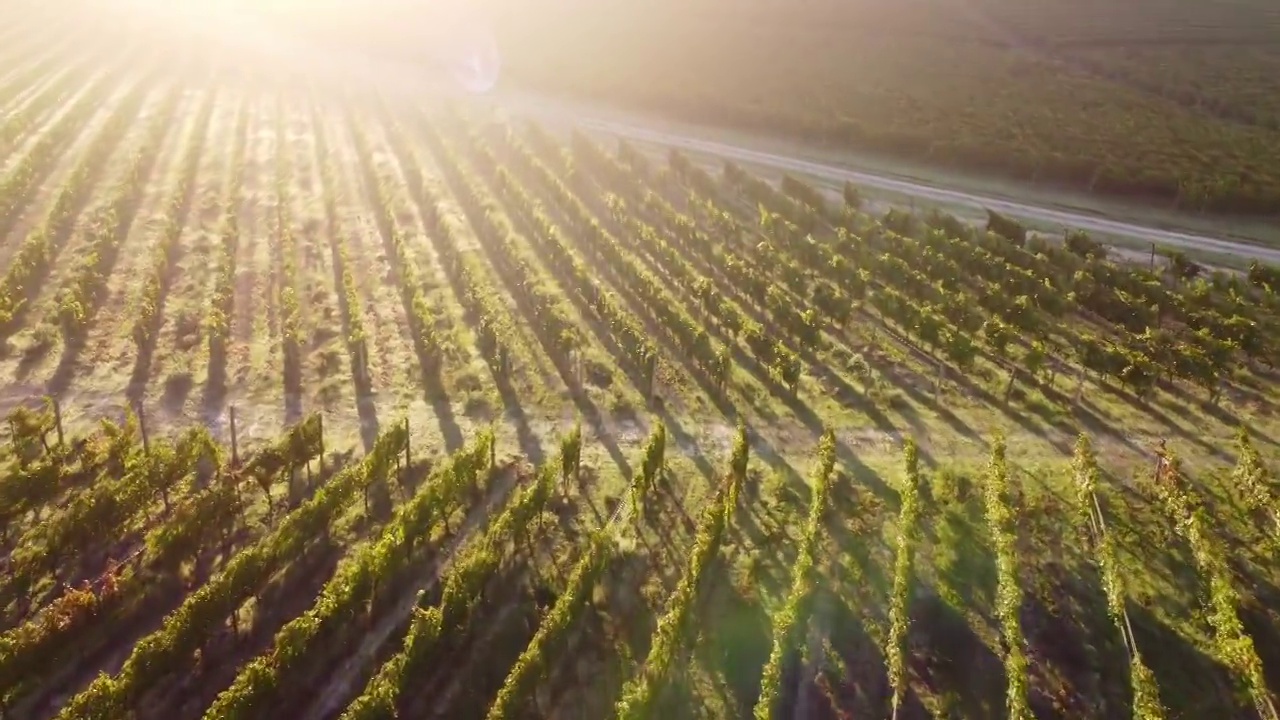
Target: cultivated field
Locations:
point(539, 425)
point(1171, 103)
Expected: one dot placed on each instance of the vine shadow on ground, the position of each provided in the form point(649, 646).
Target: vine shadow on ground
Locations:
point(1192, 684)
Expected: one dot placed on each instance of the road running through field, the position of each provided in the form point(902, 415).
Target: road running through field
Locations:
point(552, 113)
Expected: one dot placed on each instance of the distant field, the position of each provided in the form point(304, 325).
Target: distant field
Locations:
point(535, 424)
point(1171, 102)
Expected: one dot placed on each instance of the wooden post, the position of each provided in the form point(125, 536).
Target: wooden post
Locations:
point(1153, 256)
point(406, 444)
point(57, 418)
point(235, 451)
point(322, 443)
point(651, 371)
point(142, 428)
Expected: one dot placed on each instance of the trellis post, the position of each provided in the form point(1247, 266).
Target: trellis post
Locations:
point(57, 418)
point(142, 428)
point(235, 450)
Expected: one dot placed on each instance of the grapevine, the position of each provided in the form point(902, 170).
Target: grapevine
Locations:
point(218, 314)
point(291, 330)
point(187, 628)
point(36, 254)
point(149, 303)
point(1146, 693)
point(1257, 485)
point(640, 693)
point(268, 677)
point(49, 639)
point(791, 618)
point(462, 589)
point(1001, 520)
point(349, 300)
point(79, 299)
point(609, 254)
point(421, 309)
point(37, 107)
point(1234, 648)
point(630, 343)
point(534, 660)
point(16, 188)
point(903, 572)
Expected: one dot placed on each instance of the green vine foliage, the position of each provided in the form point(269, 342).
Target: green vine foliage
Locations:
point(790, 621)
point(903, 574)
point(1002, 521)
point(640, 693)
point(1146, 691)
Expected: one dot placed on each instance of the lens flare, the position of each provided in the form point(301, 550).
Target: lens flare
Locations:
point(475, 62)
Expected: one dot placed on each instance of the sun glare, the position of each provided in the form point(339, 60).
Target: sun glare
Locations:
point(448, 44)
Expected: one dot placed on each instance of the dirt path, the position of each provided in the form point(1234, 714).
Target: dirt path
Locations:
point(536, 365)
point(457, 678)
point(816, 635)
point(181, 355)
point(46, 97)
point(341, 686)
point(385, 323)
point(41, 69)
point(325, 236)
point(104, 190)
point(104, 364)
point(253, 365)
point(421, 254)
point(312, 296)
point(28, 214)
